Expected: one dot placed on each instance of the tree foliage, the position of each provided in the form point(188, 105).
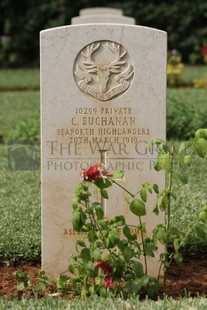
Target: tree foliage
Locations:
point(20, 24)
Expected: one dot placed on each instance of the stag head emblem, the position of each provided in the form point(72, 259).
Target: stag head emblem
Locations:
point(102, 68)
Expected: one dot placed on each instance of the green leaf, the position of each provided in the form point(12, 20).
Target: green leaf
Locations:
point(102, 223)
point(164, 203)
point(137, 207)
point(183, 178)
point(182, 147)
point(103, 183)
point(103, 292)
point(92, 236)
point(176, 244)
point(119, 220)
point(178, 257)
point(162, 235)
point(113, 240)
point(114, 236)
point(201, 230)
point(62, 283)
point(202, 216)
point(119, 174)
point(20, 286)
point(181, 161)
point(139, 269)
point(133, 286)
point(84, 195)
point(188, 160)
point(143, 194)
point(160, 144)
point(91, 290)
point(200, 146)
point(152, 287)
point(104, 193)
point(114, 231)
point(164, 162)
point(80, 242)
point(39, 288)
point(83, 293)
point(75, 202)
point(85, 185)
point(127, 233)
point(77, 220)
point(157, 165)
point(95, 254)
point(201, 133)
point(128, 254)
point(99, 212)
point(95, 205)
point(71, 268)
point(149, 249)
point(85, 254)
point(156, 188)
point(156, 209)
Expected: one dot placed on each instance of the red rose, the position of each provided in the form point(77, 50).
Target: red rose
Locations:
point(95, 172)
point(108, 282)
point(107, 269)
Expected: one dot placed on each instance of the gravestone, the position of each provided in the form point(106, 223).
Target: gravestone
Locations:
point(102, 15)
point(94, 11)
point(103, 89)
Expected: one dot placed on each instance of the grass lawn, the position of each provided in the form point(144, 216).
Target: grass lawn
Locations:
point(191, 73)
point(20, 212)
point(20, 78)
point(98, 303)
point(190, 198)
point(194, 96)
point(15, 106)
point(20, 199)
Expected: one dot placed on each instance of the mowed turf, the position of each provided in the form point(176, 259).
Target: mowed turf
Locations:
point(20, 190)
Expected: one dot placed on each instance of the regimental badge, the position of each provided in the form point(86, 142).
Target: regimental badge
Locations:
point(103, 70)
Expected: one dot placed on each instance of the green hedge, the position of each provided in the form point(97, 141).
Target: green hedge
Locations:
point(185, 22)
point(183, 119)
point(27, 129)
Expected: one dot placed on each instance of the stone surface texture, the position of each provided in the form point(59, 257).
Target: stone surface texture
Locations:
point(101, 10)
point(100, 18)
point(103, 86)
point(102, 15)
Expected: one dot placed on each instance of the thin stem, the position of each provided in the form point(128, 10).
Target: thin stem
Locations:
point(168, 213)
point(159, 272)
point(143, 245)
point(169, 188)
point(172, 256)
point(122, 187)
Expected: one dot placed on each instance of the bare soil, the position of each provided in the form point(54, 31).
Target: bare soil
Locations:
point(188, 278)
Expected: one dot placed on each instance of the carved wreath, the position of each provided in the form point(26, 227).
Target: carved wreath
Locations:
point(87, 69)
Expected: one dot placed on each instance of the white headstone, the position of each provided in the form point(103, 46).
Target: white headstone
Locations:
point(102, 15)
point(99, 18)
point(103, 86)
point(101, 10)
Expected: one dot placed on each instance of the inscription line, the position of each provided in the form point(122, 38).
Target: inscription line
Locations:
point(92, 158)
